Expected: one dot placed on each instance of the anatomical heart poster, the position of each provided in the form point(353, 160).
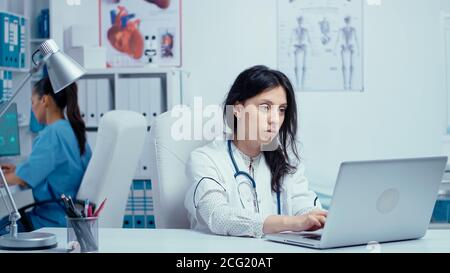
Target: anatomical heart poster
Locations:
point(141, 32)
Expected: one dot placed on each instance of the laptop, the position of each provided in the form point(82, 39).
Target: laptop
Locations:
point(376, 201)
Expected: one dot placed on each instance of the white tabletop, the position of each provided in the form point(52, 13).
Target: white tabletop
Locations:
point(188, 241)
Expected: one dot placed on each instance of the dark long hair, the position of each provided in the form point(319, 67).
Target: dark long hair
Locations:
point(252, 82)
point(68, 97)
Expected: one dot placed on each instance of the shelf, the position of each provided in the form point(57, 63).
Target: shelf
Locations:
point(38, 40)
point(128, 70)
point(24, 70)
point(439, 226)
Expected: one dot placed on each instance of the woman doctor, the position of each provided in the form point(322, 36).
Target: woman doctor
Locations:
point(253, 183)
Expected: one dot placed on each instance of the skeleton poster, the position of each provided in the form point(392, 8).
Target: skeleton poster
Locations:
point(320, 44)
point(141, 32)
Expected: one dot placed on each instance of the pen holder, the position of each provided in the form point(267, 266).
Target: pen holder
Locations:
point(82, 235)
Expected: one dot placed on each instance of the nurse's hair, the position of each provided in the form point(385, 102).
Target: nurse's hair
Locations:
point(66, 98)
point(251, 83)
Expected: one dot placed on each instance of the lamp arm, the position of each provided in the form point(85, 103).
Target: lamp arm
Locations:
point(14, 215)
point(4, 107)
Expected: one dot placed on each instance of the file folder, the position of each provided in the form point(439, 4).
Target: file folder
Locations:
point(22, 42)
point(91, 91)
point(157, 100)
point(14, 47)
point(145, 160)
point(4, 46)
point(139, 203)
point(82, 99)
point(121, 94)
point(1, 86)
point(145, 99)
point(128, 218)
point(133, 93)
point(104, 97)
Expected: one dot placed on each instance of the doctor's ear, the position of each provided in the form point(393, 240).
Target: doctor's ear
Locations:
point(238, 109)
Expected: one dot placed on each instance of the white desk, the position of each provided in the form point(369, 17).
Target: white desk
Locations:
point(188, 241)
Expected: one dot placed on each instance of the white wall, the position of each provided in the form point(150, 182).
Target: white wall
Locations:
point(445, 5)
point(401, 113)
point(223, 37)
point(63, 15)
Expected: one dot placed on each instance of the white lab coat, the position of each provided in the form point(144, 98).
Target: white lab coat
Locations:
point(213, 201)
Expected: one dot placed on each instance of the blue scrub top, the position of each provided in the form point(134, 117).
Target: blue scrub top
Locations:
point(54, 167)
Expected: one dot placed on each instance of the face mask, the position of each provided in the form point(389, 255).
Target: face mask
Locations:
point(35, 126)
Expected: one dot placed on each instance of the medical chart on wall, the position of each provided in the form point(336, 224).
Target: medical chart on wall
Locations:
point(141, 32)
point(320, 44)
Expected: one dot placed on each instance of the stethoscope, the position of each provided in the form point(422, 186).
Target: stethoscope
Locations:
point(251, 183)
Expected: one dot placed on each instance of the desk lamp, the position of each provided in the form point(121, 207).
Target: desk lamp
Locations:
point(62, 71)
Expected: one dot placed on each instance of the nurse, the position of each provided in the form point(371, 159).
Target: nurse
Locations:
point(252, 182)
point(59, 156)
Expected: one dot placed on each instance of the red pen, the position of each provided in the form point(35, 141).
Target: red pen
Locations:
point(96, 213)
point(90, 211)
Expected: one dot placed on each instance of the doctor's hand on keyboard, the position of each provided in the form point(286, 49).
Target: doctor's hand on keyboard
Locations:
point(311, 221)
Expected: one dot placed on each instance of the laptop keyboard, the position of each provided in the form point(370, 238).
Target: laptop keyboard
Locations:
point(316, 237)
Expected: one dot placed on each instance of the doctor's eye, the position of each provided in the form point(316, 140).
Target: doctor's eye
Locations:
point(282, 110)
point(264, 107)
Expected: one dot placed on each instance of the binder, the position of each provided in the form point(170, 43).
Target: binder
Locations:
point(121, 94)
point(10, 41)
point(1, 86)
point(157, 97)
point(134, 105)
point(149, 211)
point(104, 97)
point(145, 99)
point(133, 93)
point(128, 221)
point(4, 46)
point(14, 47)
point(149, 197)
point(91, 91)
point(150, 221)
point(144, 162)
point(7, 85)
point(139, 204)
point(22, 43)
point(82, 99)
point(139, 221)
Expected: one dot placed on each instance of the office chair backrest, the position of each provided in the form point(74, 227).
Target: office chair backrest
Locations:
point(168, 160)
point(118, 147)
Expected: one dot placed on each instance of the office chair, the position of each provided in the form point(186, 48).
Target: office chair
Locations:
point(120, 140)
point(168, 160)
point(118, 147)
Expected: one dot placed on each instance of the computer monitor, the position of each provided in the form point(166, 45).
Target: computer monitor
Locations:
point(9, 132)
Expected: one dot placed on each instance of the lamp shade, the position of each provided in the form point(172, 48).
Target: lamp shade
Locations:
point(62, 69)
